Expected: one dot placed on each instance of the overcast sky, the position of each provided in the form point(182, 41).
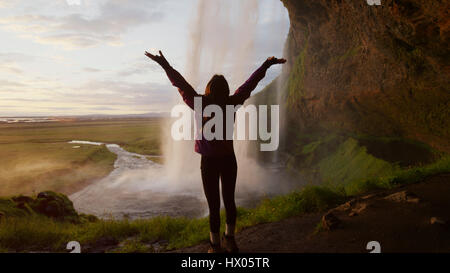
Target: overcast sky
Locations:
point(72, 57)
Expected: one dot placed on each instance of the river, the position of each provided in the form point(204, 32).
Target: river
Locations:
point(141, 188)
point(136, 188)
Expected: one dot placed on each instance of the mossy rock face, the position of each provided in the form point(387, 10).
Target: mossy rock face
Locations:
point(54, 205)
point(380, 72)
point(50, 204)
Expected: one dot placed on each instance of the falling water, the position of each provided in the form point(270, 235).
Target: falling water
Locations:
point(222, 41)
point(222, 37)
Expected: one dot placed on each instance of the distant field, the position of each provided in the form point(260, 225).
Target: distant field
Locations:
point(36, 156)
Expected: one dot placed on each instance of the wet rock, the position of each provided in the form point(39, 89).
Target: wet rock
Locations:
point(352, 207)
point(396, 31)
point(330, 221)
point(346, 206)
point(358, 209)
point(436, 220)
point(369, 196)
point(342, 208)
point(403, 196)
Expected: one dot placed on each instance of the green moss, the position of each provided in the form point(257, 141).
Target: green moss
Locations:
point(311, 147)
point(351, 162)
point(295, 86)
point(54, 205)
point(307, 150)
point(9, 208)
point(349, 53)
point(398, 177)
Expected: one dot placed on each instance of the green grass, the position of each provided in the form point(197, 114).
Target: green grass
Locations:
point(397, 177)
point(136, 135)
point(37, 157)
point(295, 86)
point(133, 245)
point(7, 207)
point(351, 162)
point(27, 168)
point(41, 233)
point(335, 160)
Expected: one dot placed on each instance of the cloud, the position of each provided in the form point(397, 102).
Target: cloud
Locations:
point(95, 96)
point(14, 57)
point(10, 69)
point(73, 41)
point(140, 66)
point(112, 92)
point(91, 70)
point(10, 84)
point(80, 30)
point(11, 62)
point(7, 3)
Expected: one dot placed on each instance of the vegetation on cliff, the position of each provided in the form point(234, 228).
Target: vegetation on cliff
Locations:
point(370, 70)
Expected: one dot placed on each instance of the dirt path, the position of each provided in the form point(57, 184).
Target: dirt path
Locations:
point(402, 225)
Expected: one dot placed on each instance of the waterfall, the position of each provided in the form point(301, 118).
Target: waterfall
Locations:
point(222, 38)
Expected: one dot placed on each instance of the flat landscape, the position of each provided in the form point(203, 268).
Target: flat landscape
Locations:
point(37, 156)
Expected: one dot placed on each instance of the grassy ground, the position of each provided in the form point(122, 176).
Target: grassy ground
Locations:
point(340, 160)
point(41, 233)
point(36, 156)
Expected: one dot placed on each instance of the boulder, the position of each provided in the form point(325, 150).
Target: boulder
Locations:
point(54, 205)
point(358, 209)
point(436, 220)
point(403, 196)
point(330, 221)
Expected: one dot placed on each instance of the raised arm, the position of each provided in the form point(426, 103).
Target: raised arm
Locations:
point(244, 91)
point(184, 88)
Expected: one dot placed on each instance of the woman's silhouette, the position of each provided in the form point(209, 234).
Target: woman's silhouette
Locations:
point(218, 159)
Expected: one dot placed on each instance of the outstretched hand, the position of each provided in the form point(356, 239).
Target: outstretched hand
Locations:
point(160, 59)
point(273, 60)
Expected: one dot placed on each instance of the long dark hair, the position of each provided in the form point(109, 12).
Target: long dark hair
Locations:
point(218, 90)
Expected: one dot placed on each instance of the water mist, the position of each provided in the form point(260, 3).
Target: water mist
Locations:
point(222, 37)
point(221, 33)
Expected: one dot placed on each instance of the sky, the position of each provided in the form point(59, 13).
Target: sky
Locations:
point(79, 57)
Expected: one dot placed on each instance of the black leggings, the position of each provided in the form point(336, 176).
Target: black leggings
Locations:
point(225, 168)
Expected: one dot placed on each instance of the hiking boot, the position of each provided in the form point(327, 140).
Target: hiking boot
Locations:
point(215, 248)
point(229, 244)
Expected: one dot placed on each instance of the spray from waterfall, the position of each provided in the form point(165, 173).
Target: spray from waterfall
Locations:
point(222, 37)
point(221, 41)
